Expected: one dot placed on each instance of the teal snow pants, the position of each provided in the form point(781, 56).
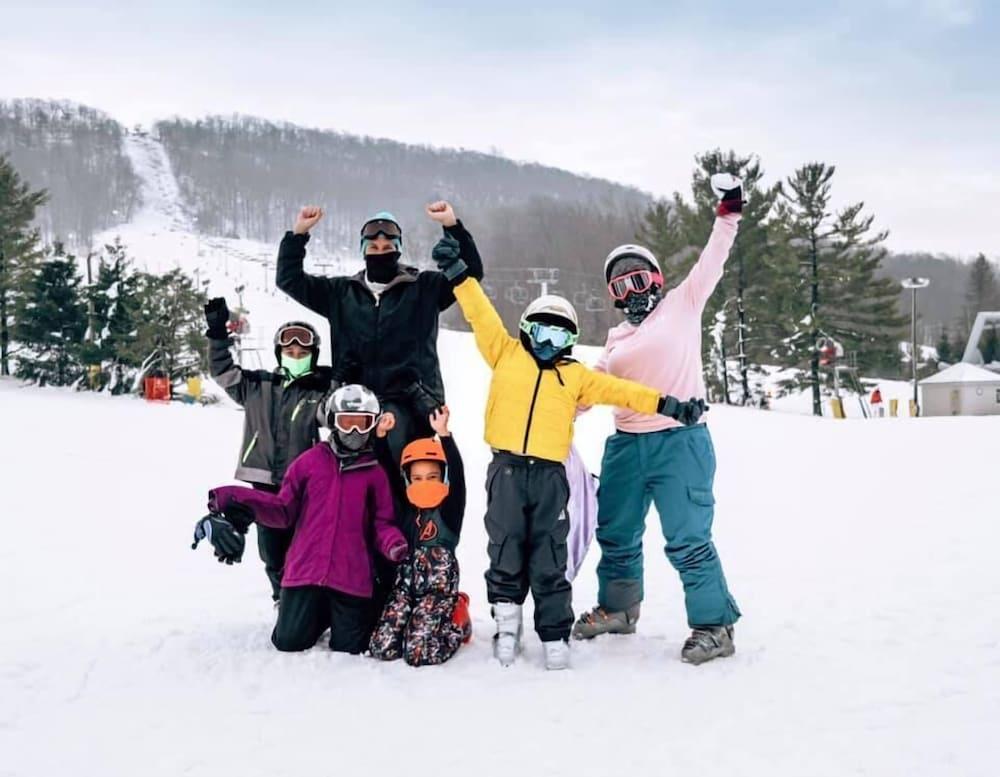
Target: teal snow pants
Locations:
point(674, 470)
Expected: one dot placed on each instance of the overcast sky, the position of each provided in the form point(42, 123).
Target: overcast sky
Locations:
point(901, 95)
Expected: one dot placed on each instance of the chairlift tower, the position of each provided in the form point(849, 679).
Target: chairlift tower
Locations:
point(543, 276)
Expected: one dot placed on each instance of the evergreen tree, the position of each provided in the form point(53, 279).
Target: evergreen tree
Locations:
point(841, 296)
point(51, 319)
point(169, 324)
point(983, 291)
point(20, 247)
point(944, 352)
point(742, 309)
point(112, 334)
point(989, 345)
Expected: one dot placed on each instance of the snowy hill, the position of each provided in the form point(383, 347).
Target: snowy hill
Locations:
point(866, 572)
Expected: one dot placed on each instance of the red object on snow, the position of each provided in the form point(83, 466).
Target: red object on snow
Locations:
point(156, 389)
point(460, 616)
point(876, 397)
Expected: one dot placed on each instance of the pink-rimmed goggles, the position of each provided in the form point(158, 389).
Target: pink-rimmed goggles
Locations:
point(637, 281)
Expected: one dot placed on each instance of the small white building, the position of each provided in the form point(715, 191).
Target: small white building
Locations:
point(962, 389)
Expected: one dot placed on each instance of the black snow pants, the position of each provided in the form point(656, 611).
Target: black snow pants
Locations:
point(416, 623)
point(273, 544)
point(307, 611)
point(528, 525)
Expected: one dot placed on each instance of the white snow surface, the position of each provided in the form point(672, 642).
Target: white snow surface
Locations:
point(861, 553)
point(863, 561)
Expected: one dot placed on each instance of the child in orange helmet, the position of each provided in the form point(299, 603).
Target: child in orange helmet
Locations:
point(426, 618)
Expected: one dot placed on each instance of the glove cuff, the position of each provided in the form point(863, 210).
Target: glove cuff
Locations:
point(455, 270)
point(725, 207)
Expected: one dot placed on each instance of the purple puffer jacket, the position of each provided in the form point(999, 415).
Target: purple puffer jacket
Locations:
point(339, 515)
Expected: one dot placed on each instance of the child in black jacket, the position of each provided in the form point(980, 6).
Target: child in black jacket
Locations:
point(426, 618)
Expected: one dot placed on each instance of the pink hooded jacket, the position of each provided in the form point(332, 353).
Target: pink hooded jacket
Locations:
point(664, 351)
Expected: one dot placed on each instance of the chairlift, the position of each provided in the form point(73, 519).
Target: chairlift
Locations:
point(489, 290)
point(517, 294)
point(596, 304)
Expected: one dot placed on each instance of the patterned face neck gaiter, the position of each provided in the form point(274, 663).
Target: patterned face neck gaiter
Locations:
point(639, 305)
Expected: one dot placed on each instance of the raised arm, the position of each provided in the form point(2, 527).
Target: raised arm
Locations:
point(317, 294)
point(707, 271)
point(468, 262)
point(491, 335)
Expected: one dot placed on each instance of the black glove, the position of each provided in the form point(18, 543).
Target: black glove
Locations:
point(228, 541)
point(423, 401)
point(447, 255)
point(686, 412)
point(240, 516)
point(217, 316)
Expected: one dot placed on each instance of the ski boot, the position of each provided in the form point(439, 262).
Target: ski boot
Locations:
point(600, 621)
point(556, 654)
point(708, 642)
point(507, 640)
point(460, 617)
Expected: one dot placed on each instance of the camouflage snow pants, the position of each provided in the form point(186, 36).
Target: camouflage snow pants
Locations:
point(416, 623)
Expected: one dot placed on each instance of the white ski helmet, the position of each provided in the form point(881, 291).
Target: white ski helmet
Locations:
point(552, 306)
point(351, 398)
point(629, 249)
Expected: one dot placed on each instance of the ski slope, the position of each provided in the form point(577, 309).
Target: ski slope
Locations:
point(863, 555)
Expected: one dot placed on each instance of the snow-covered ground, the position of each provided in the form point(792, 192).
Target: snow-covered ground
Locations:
point(863, 556)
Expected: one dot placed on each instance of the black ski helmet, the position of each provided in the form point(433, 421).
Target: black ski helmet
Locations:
point(312, 347)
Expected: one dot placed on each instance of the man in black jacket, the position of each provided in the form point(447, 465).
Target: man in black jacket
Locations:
point(386, 315)
point(281, 413)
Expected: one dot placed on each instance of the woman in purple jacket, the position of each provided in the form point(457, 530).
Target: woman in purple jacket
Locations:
point(337, 498)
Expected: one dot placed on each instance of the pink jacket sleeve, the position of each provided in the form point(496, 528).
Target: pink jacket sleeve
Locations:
point(387, 533)
point(707, 271)
point(279, 511)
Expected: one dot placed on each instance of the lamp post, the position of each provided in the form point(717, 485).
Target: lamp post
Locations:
point(913, 284)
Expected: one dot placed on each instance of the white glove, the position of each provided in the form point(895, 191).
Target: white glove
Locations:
point(725, 182)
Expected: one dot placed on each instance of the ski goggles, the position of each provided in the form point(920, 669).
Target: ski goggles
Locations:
point(558, 336)
point(295, 334)
point(638, 281)
point(373, 229)
point(354, 422)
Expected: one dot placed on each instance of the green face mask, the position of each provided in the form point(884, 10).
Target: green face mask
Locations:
point(296, 368)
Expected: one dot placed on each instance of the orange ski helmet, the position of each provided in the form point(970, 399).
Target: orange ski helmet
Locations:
point(425, 494)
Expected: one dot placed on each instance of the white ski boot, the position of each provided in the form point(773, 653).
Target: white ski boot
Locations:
point(507, 640)
point(556, 654)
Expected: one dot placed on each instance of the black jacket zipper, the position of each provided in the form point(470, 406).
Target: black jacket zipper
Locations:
point(531, 412)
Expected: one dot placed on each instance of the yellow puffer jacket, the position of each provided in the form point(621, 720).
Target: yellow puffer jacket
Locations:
point(531, 410)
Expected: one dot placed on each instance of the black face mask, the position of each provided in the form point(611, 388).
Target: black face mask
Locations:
point(382, 268)
point(637, 306)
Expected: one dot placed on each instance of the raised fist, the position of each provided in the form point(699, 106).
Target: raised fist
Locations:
point(307, 219)
point(442, 213)
point(729, 189)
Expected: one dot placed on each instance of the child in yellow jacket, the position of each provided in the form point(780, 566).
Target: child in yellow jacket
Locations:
point(534, 394)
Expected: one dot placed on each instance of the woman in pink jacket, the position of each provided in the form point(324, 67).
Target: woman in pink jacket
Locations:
point(656, 459)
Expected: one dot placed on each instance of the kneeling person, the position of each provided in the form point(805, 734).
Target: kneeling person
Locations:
point(426, 618)
point(337, 499)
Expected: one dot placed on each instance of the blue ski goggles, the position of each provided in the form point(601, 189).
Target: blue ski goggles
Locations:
point(558, 336)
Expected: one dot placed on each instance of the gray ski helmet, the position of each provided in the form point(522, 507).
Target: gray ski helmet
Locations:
point(352, 398)
point(629, 249)
point(313, 348)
